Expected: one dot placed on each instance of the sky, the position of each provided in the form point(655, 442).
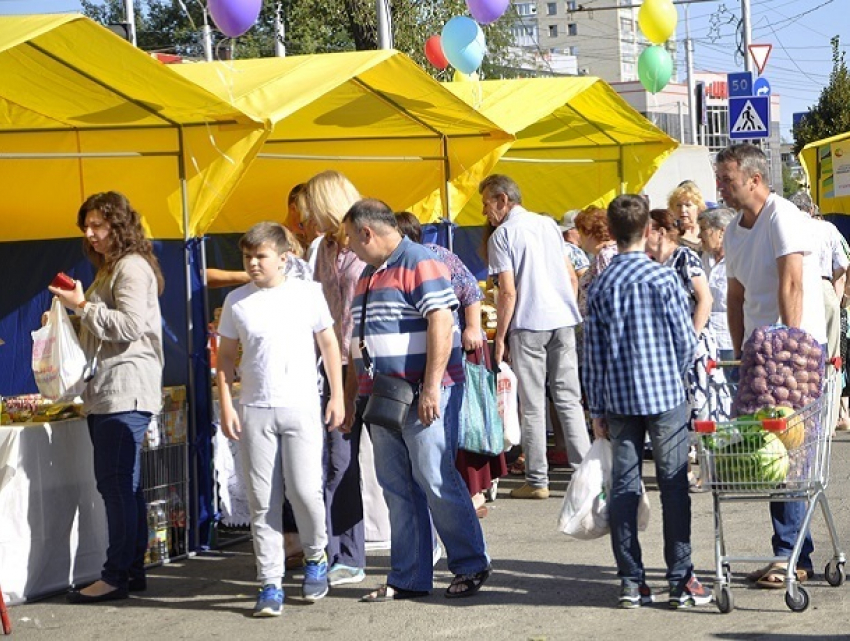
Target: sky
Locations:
point(798, 30)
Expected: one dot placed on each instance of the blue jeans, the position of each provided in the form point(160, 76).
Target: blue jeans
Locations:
point(417, 473)
point(117, 442)
point(669, 435)
point(786, 519)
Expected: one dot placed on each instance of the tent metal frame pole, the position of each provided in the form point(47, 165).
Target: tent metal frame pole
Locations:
point(816, 187)
point(86, 154)
point(446, 197)
point(103, 85)
point(190, 383)
point(620, 161)
point(426, 126)
point(309, 157)
point(397, 107)
point(290, 141)
point(556, 161)
point(64, 130)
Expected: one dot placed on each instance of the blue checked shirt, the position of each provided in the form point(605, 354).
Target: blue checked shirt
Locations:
point(639, 339)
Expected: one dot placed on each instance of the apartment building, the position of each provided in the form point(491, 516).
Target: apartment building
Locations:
point(605, 42)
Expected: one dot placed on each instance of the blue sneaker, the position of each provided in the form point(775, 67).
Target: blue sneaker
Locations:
point(269, 602)
point(315, 584)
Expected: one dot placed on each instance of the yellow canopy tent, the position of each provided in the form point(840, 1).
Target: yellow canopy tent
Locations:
point(377, 117)
point(578, 142)
point(824, 161)
point(83, 111)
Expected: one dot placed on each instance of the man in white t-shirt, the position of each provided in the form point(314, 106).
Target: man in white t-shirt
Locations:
point(536, 313)
point(832, 262)
point(773, 277)
point(275, 318)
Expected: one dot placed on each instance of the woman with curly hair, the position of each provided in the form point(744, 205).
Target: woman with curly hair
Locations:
point(592, 225)
point(121, 334)
point(686, 204)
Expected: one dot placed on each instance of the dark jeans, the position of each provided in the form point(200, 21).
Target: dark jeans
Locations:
point(343, 497)
point(786, 519)
point(117, 441)
point(669, 436)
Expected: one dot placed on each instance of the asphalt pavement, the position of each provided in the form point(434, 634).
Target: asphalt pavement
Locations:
point(545, 586)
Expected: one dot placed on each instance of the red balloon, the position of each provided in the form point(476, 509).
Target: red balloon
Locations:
point(434, 52)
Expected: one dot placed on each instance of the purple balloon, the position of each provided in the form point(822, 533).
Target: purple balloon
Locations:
point(487, 11)
point(234, 17)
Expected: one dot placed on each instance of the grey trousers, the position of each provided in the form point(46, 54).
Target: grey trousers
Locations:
point(538, 358)
point(283, 447)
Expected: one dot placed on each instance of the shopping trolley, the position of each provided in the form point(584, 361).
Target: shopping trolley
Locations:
point(741, 461)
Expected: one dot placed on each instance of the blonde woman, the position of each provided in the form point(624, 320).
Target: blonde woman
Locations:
point(686, 204)
point(323, 202)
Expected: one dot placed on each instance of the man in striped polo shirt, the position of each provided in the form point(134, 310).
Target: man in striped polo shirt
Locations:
point(411, 333)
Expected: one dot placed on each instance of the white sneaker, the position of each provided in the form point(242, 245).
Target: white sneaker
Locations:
point(340, 574)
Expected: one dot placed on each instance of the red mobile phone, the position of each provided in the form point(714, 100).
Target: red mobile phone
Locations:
point(63, 281)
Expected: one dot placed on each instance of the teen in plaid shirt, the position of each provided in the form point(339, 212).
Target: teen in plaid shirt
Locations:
point(639, 341)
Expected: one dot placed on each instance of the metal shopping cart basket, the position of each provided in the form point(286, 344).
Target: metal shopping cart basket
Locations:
point(778, 459)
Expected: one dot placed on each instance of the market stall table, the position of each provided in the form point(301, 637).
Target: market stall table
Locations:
point(53, 525)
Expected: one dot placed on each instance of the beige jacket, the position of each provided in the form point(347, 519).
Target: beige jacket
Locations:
point(123, 316)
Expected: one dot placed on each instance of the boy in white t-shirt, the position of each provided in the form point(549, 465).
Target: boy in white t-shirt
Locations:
point(275, 318)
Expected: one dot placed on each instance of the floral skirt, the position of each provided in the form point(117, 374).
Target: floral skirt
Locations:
point(708, 394)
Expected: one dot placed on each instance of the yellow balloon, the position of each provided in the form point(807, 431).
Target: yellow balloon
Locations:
point(459, 76)
point(657, 20)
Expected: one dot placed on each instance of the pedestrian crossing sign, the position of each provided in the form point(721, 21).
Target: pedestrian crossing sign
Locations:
point(749, 117)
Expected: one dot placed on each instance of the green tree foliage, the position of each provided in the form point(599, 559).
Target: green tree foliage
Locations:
point(790, 185)
point(831, 115)
point(310, 26)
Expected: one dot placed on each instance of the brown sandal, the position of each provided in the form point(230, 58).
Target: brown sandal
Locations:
point(517, 468)
point(774, 578)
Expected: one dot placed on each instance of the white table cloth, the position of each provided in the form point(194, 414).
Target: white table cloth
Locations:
point(52, 521)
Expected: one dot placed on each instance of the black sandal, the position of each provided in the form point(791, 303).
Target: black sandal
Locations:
point(471, 582)
point(387, 592)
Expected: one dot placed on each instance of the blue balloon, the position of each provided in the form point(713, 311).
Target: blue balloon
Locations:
point(463, 44)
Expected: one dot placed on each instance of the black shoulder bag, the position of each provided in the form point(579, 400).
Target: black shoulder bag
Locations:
point(392, 397)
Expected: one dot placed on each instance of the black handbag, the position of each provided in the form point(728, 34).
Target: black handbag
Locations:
point(392, 397)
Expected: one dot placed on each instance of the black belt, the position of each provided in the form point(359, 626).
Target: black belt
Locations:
point(829, 278)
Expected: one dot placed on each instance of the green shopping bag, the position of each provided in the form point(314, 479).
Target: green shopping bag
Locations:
point(481, 429)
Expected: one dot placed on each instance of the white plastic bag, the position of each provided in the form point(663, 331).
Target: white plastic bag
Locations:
point(584, 514)
point(506, 397)
point(58, 360)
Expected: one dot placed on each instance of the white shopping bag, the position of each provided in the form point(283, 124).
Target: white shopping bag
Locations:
point(58, 360)
point(584, 514)
point(506, 397)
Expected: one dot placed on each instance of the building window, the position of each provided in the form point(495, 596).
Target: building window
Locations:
point(526, 9)
point(553, 31)
point(551, 8)
point(573, 51)
point(626, 25)
point(571, 5)
point(572, 29)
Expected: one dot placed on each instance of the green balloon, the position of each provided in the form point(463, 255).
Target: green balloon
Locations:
point(655, 66)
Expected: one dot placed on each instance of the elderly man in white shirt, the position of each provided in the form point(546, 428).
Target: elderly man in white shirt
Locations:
point(833, 262)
